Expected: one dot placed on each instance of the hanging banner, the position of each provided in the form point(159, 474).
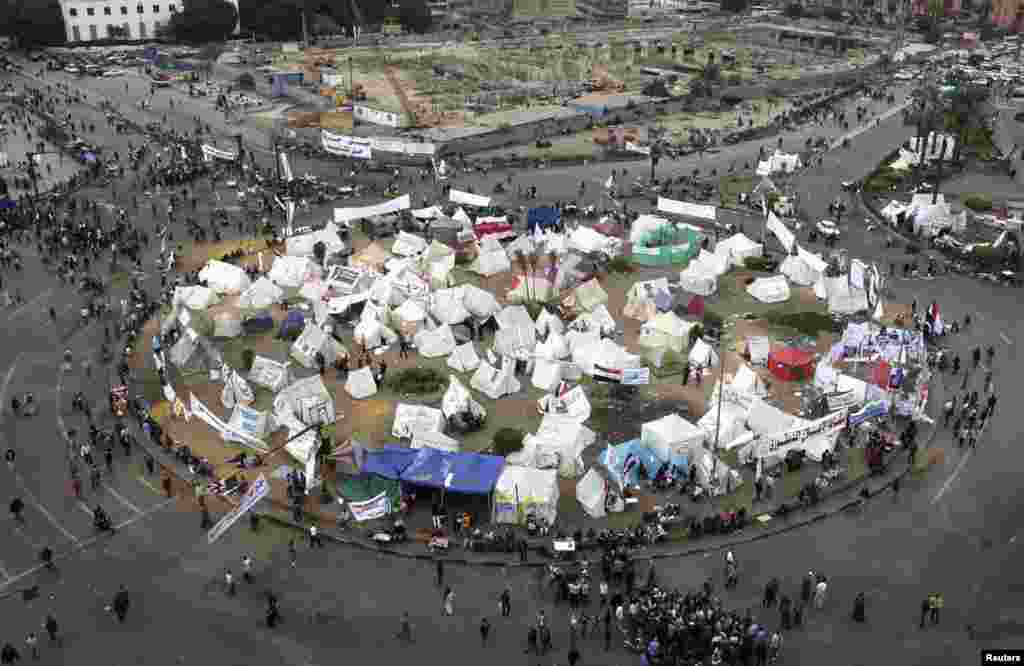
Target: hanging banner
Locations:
point(403, 202)
point(257, 491)
point(387, 145)
point(841, 400)
point(699, 211)
point(337, 120)
point(210, 153)
point(286, 168)
point(774, 444)
point(785, 236)
point(371, 509)
point(420, 149)
point(375, 117)
point(467, 199)
point(203, 412)
point(345, 146)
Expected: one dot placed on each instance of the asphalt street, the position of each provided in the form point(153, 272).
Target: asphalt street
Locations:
point(954, 530)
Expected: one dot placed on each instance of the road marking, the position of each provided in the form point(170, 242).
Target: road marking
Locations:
point(80, 545)
point(4, 573)
point(149, 485)
point(26, 537)
point(42, 509)
point(85, 507)
point(17, 313)
point(122, 500)
point(952, 478)
point(1005, 339)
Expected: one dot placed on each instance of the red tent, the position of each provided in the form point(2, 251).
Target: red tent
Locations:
point(791, 365)
point(696, 306)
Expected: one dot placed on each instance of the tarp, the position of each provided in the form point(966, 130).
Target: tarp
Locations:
point(464, 472)
point(543, 217)
point(645, 299)
point(591, 494)
point(224, 278)
point(495, 383)
point(353, 214)
point(698, 211)
point(467, 199)
point(464, 358)
point(666, 245)
point(772, 289)
point(559, 442)
point(624, 462)
point(585, 239)
point(388, 462)
point(670, 435)
point(737, 248)
point(260, 295)
point(522, 491)
point(410, 419)
point(360, 383)
point(785, 236)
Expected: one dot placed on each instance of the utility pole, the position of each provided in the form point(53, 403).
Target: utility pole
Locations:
point(351, 84)
point(305, 29)
point(938, 172)
point(721, 398)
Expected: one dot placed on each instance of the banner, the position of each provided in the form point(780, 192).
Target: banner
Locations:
point(868, 411)
point(634, 147)
point(286, 167)
point(785, 236)
point(375, 117)
point(699, 211)
point(257, 491)
point(420, 149)
point(337, 120)
point(387, 145)
point(226, 433)
point(345, 146)
point(377, 507)
point(636, 376)
point(467, 199)
point(210, 153)
point(773, 444)
point(841, 400)
point(403, 202)
point(302, 119)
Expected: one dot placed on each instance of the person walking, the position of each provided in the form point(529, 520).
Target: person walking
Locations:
point(859, 610)
point(50, 625)
point(293, 555)
point(229, 583)
point(273, 614)
point(505, 603)
point(449, 602)
point(819, 593)
point(935, 607)
point(166, 483)
point(9, 655)
point(531, 641)
point(440, 572)
point(485, 631)
point(247, 569)
point(926, 606)
point(32, 645)
point(121, 604)
point(205, 521)
point(404, 634)
point(771, 590)
point(807, 588)
point(17, 510)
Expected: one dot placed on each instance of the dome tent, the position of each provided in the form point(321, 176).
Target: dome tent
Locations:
point(791, 364)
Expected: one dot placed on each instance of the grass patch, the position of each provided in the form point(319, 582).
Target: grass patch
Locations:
point(733, 299)
point(808, 323)
point(418, 381)
point(979, 203)
point(730, 188)
point(246, 245)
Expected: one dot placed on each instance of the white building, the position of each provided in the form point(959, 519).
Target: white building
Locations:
point(129, 20)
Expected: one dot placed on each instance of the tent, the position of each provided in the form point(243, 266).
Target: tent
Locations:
point(315, 340)
point(517, 335)
point(458, 403)
point(586, 240)
point(224, 278)
point(548, 323)
point(410, 316)
point(290, 271)
point(791, 365)
point(530, 288)
point(227, 325)
point(360, 383)
point(666, 331)
point(408, 245)
point(410, 419)
point(491, 259)
point(306, 399)
point(737, 248)
point(646, 299)
point(269, 373)
point(591, 493)
point(554, 348)
point(542, 217)
point(388, 462)
point(804, 268)
point(759, 347)
point(772, 289)
point(464, 358)
point(547, 374)
point(749, 382)
point(572, 404)
point(195, 297)
point(701, 275)
point(669, 435)
point(730, 424)
point(372, 334)
point(260, 295)
point(702, 354)
point(293, 324)
point(480, 303)
point(766, 420)
point(446, 306)
point(603, 354)
point(373, 257)
point(624, 463)
point(435, 342)
point(236, 390)
point(665, 245)
point(524, 491)
point(559, 442)
point(712, 473)
point(495, 383)
point(586, 297)
point(842, 297)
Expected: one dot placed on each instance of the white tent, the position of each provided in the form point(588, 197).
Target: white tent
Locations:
point(554, 348)
point(731, 425)
point(586, 240)
point(464, 358)
point(702, 354)
point(290, 271)
point(371, 333)
point(224, 278)
point(666, 331)
point(643, 298)
point(195, 297)
point(759, 347)
point(522, 491)
point(307, 400)
point(458, 401)
point(530, 288)
point(408, 245)
point(772, 289)
point(647, 224)
point(737, 248)
point(435, 342)
point(603, 353)
point(303, 245)
point(491, 258)
point(749, 382)
point(260, 295)
point(411, 419)
point(669, 435)
point(591, 492)
point(360, 383)
point(480, 303)
point(236, 390)
point(434, 440)
point(410, 316)
point(227, 325)
point(766, 420)
point(572, 404)
point(547, 374)
point(312, 341)
point(701, 275)
point(548, 323)
point(843, 298)
point(559, 442)
point(495, 383)
point(269, 374)
point(447, 307)
point(804, 268)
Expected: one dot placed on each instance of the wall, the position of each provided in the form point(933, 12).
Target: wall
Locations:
point(123, 13)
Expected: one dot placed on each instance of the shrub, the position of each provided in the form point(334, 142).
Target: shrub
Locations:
point(712, 320)
point(696, 333)
point(808, 323)
point(758, 264)
point(987, 256)
point(508, 440)
point(979, 203)
point(246, 81)
point(248, 358)
point(620, 265)
point(417, 381)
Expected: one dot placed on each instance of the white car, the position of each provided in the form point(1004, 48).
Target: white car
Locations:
point(828, 229)
point(111, 73)
point(71, 69)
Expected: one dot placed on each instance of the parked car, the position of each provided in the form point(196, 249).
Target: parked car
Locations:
point(828, 229)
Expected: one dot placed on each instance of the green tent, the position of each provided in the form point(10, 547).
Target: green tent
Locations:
point(665, 246)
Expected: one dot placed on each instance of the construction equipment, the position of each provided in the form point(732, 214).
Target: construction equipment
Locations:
point(601, 80)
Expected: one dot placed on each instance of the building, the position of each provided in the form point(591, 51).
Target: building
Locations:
point(128, 20)
point(1008, 14)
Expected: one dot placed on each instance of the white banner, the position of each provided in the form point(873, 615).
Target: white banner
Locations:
point(286, 168)
point(420, 149)
point(467, 199)
point(311, 466)
point(637, 148)
point(375, 117)
point(636, 376)
point(387, 145)
point(376, 507)
point(257, 491)
point(770, 445)
point(784, 235)
point(345, 146)
point(227, 433)
point(210, 153)
point(699, 211)
point(401, 203)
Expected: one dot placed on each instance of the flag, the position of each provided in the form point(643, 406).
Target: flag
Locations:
point(878, 311)
point(257, 491)
point(610, 183)
point(880, 375)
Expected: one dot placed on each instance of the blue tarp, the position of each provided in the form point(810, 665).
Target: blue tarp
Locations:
point(260, 322)
point(293, 323)
point(7, 203)
point(470, 473)
point(597, 112)
point(648, 460)
point(389, 462)
point(279, 86)
point(547, 216)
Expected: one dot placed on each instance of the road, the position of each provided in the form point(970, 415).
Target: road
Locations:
point(963, 511)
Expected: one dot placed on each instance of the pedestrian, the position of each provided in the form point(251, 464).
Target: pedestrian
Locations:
point(46, 557)
point(545, 639)
point(449, 602)
point(293, 556)
point(50, 625)
point(485, 630)
point(859, 608)
point(247, 569)
point(315, 540)
point(121, 603)
point(758, 489)
point(108, 457)
point(166, 482)
point(819, 593)
point(8, 655)
point(603, 592)
point(205, 522)
point(807, 588)
point(770, 592)
point(404, 634)
point(32, 645)
point(505, 603)
point(574, 656)
point(926, 606)
point(17, 509)
point(607, 630)
point(935, 607)
point(229, 583)
point(774, 647)
point(531, 641)
point(440, 572)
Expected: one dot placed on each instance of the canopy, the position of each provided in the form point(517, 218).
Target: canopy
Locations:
point(791, 365)
point(463, 472)
point(522, 491)
point(224, 278)
point(669, 435)
point(646, 299)
point(388, 462)
point(591, 493)
point(772, 289)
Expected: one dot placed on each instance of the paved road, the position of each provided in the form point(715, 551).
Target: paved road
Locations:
point(895, 552)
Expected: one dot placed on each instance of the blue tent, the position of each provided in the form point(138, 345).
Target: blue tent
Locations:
point(470, 473)
point(7, 203)
point(614, 459)
point(292, 324)
point(258, 323)
point(544, 217)
point(389, 462)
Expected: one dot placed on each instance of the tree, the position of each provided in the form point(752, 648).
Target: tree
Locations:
point(275, 20)
point(204, 21)
point(208, 56)
point(794, 10)
point(33, 23)
point(415, 15)
point(735, 6)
